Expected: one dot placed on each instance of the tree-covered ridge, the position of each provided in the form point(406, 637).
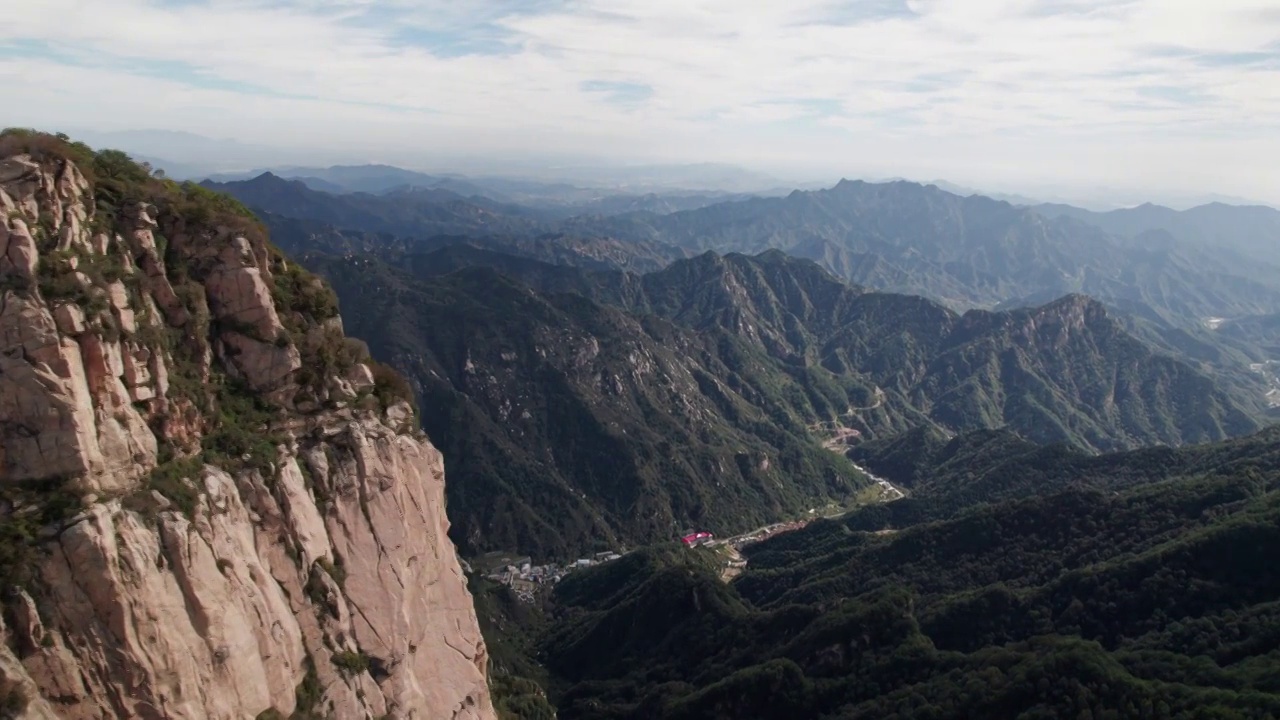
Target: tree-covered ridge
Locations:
point(1157, 601)
point(948, 476)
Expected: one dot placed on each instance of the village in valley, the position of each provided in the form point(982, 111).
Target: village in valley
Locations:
point(525, 579)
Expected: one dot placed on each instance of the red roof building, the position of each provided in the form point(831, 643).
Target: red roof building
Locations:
point(697, 538)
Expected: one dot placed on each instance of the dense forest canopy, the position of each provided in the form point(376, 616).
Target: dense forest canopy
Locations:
point(1138, 584)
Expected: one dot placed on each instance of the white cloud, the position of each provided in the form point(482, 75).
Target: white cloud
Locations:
point(1168, 94)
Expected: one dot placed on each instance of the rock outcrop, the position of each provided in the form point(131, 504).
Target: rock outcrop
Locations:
point(215, 508)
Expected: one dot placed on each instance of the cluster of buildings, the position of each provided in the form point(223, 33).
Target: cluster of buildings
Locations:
point(888, 493)
point(525, 579)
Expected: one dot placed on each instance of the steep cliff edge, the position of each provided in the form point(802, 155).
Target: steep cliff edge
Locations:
point(212, 503)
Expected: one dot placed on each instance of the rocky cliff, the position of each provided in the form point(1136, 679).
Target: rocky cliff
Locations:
point(212, 503)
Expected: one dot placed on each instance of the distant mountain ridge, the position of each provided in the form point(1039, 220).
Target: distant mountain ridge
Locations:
point(558, 200)
point(402, 210)
point(898, 236)
point(967, 251)
point(373, 179)
point(1253, 231)
point(977, 252)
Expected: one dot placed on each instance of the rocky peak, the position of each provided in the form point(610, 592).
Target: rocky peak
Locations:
point(212, 503)
point(1069, 315)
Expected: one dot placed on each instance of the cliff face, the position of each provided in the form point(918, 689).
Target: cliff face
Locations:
point(212, 504)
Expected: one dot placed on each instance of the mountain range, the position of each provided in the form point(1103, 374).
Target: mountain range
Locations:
point(1170, 285)
point(552, 386)
point(571, 425)
point(1181, 268)
point(1171, 351)
point(546, 200)
point(966, 251)
point(1065, 370)
point(401, 209)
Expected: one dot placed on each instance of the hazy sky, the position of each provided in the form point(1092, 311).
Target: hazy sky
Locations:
point(1163, 95)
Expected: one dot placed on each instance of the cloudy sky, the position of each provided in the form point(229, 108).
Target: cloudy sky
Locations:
point(1164, 95)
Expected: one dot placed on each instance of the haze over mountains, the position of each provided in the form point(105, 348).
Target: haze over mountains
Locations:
point(817, 223)
point(190, 156)
point(1046, 321)
point(1251, 230)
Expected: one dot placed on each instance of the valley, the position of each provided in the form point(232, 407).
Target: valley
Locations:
point(838, 438)
point(735, 563)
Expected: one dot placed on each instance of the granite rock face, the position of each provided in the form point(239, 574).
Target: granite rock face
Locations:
point(191, 579)
point(215, 616)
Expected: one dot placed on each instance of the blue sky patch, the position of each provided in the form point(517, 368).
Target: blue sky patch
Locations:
point(1172, 93)
point(1237, 59)
point(619, 93)
point(854, 12)
point(459, 42)
point(184, 73)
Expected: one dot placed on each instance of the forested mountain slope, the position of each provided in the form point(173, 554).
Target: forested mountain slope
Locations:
point(1156, 601)
point(700, 394)
point(571, 425)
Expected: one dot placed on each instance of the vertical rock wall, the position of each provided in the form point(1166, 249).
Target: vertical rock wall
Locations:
point(314, 577)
